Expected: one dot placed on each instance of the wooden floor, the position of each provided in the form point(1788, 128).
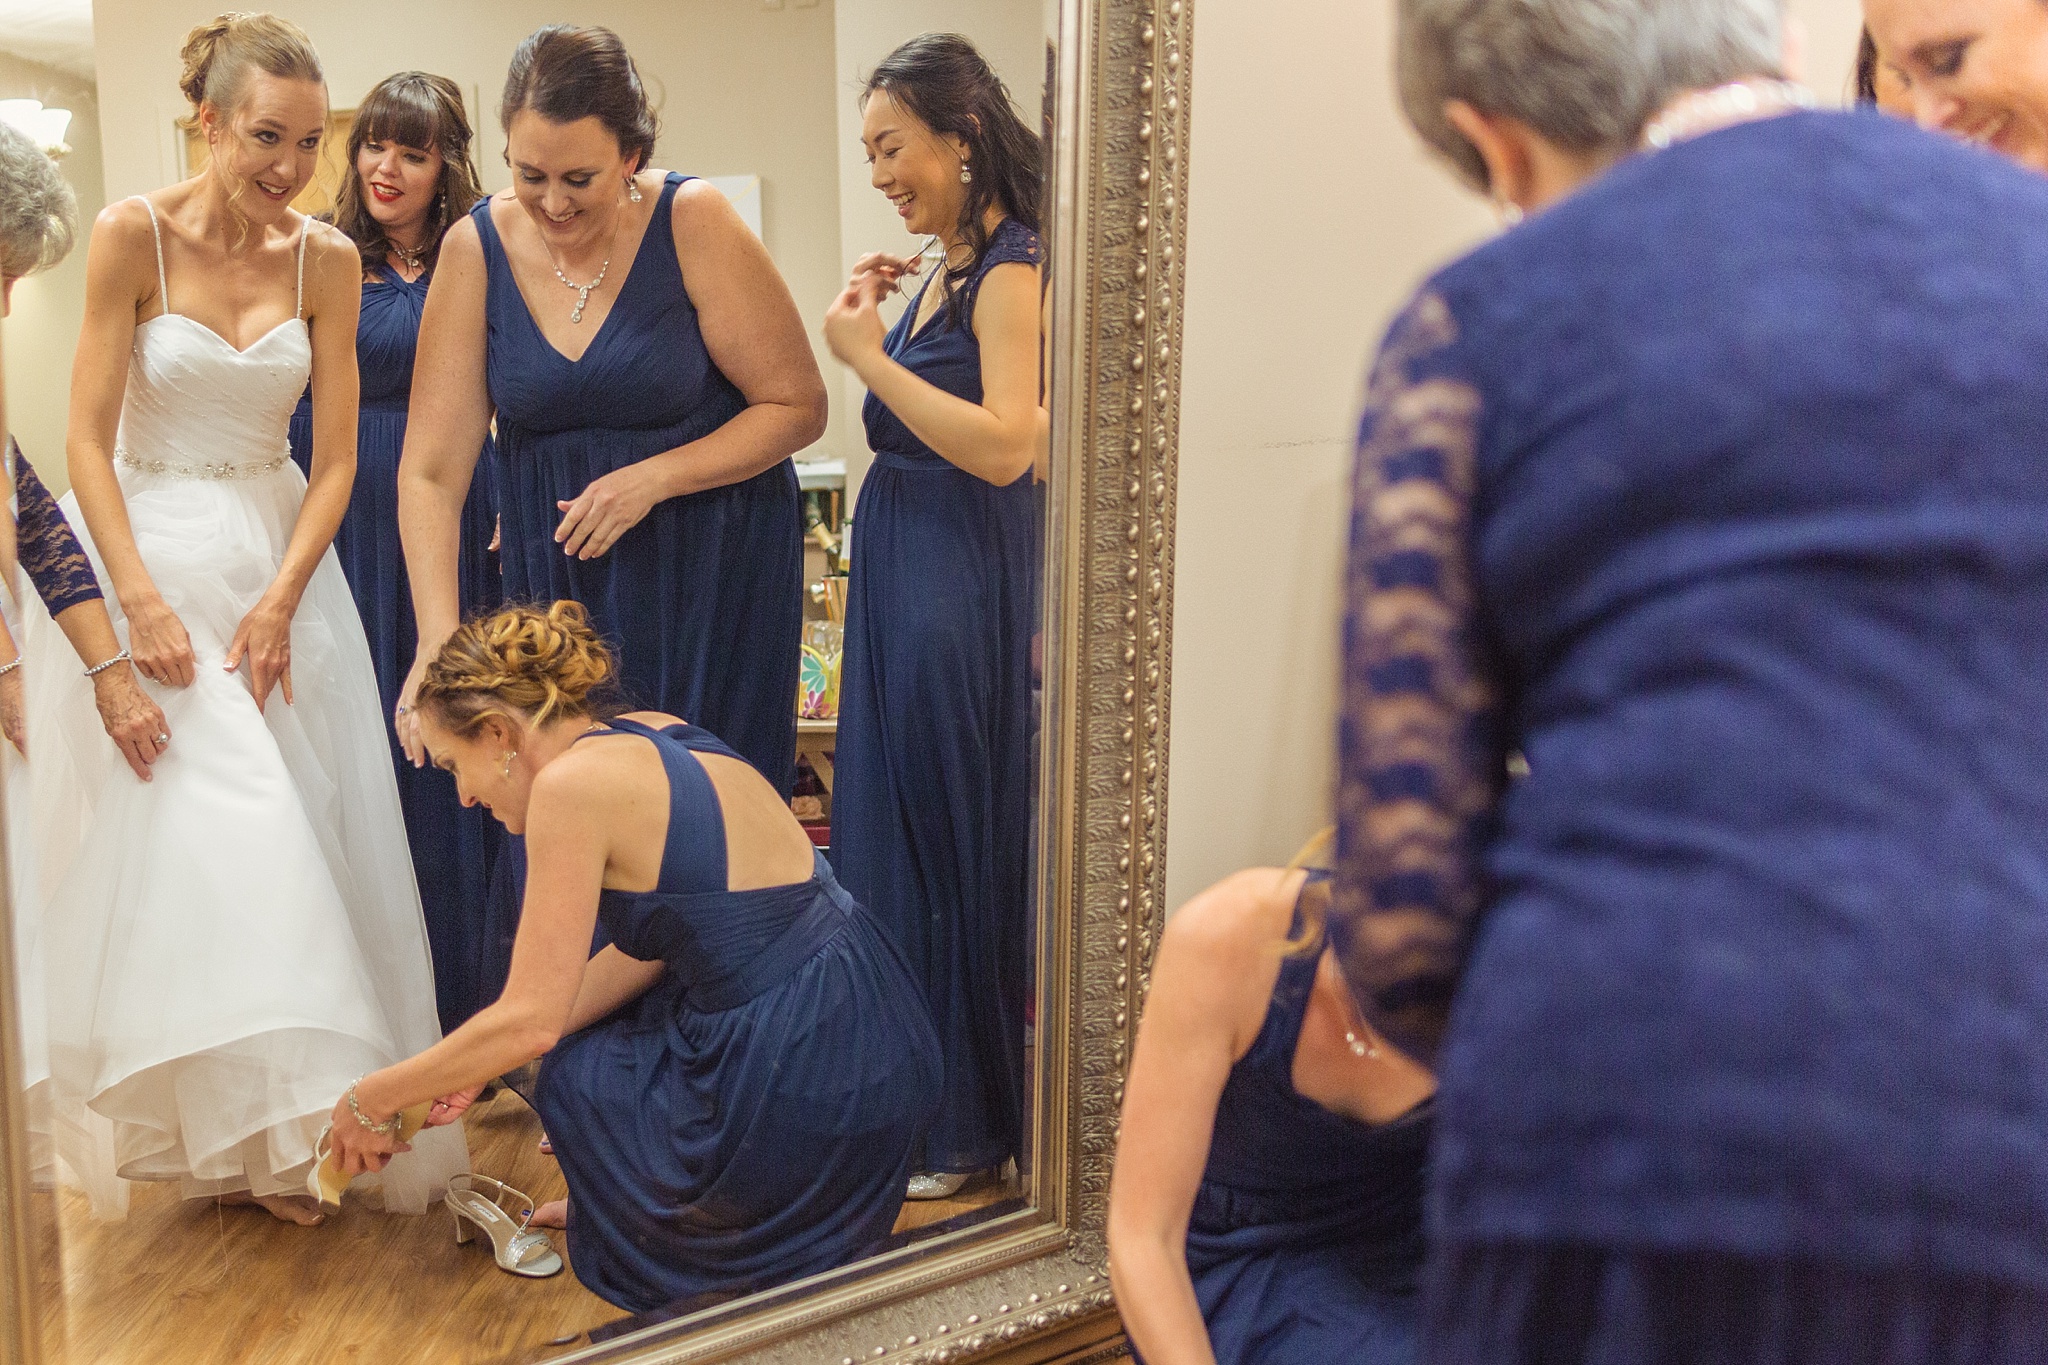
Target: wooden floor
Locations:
point(185, 1281)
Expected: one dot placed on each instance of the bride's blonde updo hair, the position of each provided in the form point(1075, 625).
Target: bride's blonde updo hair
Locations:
point(221, 54)
point(526, 665)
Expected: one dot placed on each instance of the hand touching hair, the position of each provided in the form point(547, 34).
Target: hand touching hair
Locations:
point(526, 664)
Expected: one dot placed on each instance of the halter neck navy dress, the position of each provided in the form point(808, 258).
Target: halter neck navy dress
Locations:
point(1305, 1243)
point(931, 809)
point(749, 1120)
point(453, 849)
point(702, 602)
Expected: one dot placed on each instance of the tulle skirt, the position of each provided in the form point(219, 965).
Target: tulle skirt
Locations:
point(225, 948)
point(31, 1008)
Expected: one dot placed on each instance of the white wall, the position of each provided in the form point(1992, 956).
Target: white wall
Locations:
point(741, 88)
point(1011, 35)
point(49, 307)
point(1313, 212)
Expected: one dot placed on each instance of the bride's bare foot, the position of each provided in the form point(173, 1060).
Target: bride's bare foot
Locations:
point(553, 1214)
point(285, 1208)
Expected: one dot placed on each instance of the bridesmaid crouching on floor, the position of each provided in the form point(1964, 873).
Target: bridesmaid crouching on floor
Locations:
point(409, 179)
point(1267, 1200)
point(736, 1082)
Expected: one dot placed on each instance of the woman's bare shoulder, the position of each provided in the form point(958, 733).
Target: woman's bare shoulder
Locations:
point(1222, 950)
point(1253, 906)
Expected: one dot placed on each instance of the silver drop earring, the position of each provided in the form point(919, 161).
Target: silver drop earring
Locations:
point(966, 175)
point(1510, 211)
point(633, 190)
point(506, 766)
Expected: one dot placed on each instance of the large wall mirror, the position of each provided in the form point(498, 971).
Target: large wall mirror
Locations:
point(761, 97)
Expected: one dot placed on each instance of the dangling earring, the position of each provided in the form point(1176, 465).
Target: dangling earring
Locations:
point(1510, 211)
point(966, 175)
point(506, 766)
point(633, 190)
point(1360, 1047)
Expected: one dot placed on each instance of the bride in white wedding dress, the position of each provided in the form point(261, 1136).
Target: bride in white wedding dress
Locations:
point(229, 945)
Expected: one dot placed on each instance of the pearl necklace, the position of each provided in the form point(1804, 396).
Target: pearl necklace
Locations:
point(1703, 111)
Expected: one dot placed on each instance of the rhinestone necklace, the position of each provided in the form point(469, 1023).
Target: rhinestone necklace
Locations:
point(413, 259)
point(583, 290)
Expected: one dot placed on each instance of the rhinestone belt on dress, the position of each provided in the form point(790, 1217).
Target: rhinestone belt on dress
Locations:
point(185, 470)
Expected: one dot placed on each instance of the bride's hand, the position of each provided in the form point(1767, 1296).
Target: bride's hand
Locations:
point(449, 1108)
point(158, 644)
point(356, 1149)
point(404, 718)
point(133, 721)
point(265, 639)
point(13, 712)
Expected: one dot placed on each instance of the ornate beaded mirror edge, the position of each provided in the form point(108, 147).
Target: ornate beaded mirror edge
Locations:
point(1033, 1284)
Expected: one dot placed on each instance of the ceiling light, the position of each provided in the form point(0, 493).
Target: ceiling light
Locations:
point(46, 126)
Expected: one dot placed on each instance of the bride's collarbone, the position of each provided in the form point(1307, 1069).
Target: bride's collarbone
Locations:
point(240, 297)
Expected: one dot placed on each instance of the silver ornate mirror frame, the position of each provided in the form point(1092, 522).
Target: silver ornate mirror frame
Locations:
point(1030, 1285)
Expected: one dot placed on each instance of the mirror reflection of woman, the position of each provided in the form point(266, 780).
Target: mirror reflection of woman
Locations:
point(931, 808)
point(650, 379)
point(409, 177)
point(1267, 1201)
point(235, 939)
point(38, 224)
point(735, 1081)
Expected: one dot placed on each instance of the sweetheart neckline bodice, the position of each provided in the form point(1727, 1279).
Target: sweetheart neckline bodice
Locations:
point(238, 350)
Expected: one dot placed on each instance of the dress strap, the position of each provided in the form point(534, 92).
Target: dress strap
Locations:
point(694, 808)
point(163, 287)
point(299, 291)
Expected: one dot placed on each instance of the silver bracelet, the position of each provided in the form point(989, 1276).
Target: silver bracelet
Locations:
point(387, 1127)
point(97, 669)
point(7, 668)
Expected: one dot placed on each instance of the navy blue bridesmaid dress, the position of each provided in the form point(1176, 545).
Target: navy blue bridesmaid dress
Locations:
point(750, 1119)
point(702, 601)
point(1305, 1242)
point(931, 808)
point(453, 849)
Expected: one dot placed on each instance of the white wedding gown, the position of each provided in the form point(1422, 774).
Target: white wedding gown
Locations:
point(229, 945)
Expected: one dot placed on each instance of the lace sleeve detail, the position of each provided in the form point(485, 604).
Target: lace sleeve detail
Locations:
point(50, 552)
point(1012, 243)
point(1420, 760)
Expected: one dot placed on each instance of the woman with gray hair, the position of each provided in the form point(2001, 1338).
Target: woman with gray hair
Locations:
point(1695, 668)
point(38, 224)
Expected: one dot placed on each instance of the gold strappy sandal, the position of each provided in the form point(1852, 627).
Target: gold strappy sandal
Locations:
point(325, 1182)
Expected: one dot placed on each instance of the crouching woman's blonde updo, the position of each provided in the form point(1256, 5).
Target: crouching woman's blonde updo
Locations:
point(526, 665)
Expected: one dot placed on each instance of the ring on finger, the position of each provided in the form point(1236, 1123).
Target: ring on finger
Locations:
point(163, 741)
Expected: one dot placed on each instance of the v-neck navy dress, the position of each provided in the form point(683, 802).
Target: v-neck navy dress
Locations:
point(1305, 1241)
point(453, 850)
point(702, 602)
point(931, 810)
point(749, 1120)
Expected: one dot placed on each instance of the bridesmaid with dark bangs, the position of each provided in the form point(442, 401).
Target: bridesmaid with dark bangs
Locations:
point(410, 176)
